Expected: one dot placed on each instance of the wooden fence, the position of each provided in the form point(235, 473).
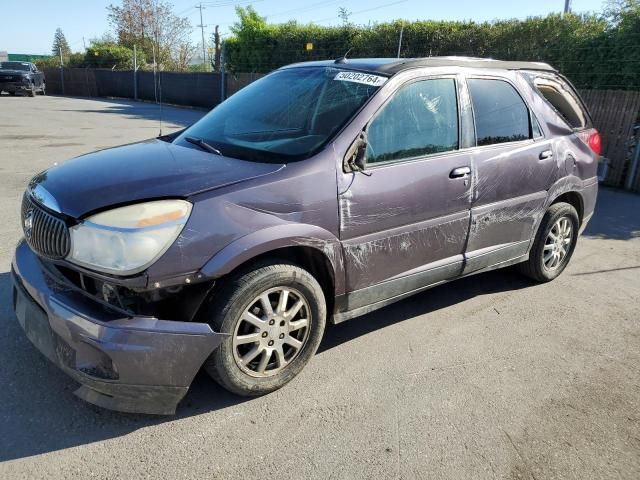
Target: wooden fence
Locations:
point(616, 115)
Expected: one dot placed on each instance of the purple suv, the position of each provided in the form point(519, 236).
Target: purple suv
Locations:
point(321, 192)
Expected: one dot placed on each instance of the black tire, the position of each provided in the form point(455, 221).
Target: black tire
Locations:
point(13, 94)
point(535, 267)
point(226, 306)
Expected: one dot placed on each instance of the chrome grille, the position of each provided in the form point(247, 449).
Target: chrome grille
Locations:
point(45, 233)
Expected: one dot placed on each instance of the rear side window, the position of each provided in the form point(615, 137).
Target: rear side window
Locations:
point(563, 99)
point(500, 113)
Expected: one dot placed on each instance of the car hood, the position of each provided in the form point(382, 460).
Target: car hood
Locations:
point(148, 170)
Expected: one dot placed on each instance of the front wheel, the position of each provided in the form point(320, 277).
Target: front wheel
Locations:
point(275, 316)
point(554, 243)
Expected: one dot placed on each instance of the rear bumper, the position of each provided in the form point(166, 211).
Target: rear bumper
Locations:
point(135, 364)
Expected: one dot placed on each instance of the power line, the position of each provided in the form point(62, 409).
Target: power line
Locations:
point(362, 11)
point(307, 8)
point(229, 3)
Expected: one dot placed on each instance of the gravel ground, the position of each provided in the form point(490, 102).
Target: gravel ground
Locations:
point(486, 377)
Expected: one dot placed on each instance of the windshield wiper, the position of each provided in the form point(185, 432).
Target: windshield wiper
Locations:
point(203, 145)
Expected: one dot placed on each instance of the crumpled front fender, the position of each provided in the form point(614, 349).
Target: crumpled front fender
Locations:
point(274, 238)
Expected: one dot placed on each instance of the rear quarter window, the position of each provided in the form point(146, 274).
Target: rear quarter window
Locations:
point(563, 99)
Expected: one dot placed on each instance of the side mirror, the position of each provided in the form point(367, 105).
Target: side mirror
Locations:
point(354, 160)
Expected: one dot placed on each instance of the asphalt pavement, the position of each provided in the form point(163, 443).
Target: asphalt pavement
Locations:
point(487, 377)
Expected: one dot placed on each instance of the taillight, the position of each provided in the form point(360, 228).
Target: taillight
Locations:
point(592, 138)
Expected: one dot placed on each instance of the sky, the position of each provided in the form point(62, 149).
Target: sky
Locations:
point(28, 26)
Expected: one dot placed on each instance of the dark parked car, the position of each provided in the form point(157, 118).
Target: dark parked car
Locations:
point(21, 77)
point(321, 192)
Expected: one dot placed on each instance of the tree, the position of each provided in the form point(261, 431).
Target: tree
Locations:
point(217, 49)
point(60, 44)
point(344, 15)
point(154, 28)
point(616, 10)
point(249, 23)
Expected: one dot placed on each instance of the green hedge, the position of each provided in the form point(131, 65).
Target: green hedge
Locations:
point(592, 51)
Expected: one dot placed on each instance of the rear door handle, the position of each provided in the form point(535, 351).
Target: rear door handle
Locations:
point(460, 172)
point(546, 154)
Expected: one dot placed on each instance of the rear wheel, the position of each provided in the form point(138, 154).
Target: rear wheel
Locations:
point(554, 243)
point(275, 316)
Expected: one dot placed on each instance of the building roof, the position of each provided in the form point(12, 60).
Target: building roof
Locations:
point(392, 66)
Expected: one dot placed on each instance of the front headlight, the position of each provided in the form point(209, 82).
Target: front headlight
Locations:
point(127, 240)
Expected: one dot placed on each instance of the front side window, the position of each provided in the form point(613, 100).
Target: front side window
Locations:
point(15, 66)
point(421, 119)
point(287, 115)
point(499, 112)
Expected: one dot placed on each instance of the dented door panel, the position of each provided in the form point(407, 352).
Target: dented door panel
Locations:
point(404, 216)
point(510, 192)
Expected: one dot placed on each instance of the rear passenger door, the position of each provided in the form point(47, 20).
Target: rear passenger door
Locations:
point(513, 167)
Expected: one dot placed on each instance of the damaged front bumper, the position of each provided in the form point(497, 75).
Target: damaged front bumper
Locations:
point(14, 87)
point(131, 364)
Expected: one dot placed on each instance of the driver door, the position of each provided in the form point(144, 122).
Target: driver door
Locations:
point(404, 223)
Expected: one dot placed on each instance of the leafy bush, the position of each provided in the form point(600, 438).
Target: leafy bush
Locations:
point(109, 55)
point(594, 51)
point(47, 62)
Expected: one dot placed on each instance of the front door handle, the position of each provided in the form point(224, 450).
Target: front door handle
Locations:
point(460, 172)
point(546, 154)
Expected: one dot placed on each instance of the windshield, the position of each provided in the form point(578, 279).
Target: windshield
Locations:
point(287, 115)
point(15, 66)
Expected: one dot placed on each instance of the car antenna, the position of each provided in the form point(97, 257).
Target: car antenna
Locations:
point(343, 59)
point(160, 96)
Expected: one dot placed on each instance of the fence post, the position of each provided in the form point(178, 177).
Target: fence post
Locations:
point(222, 78)
point(633, 168)
point(61, 70)
point(135, 74)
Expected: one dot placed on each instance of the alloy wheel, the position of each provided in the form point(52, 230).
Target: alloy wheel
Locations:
point(557, 243)
point(271, 332)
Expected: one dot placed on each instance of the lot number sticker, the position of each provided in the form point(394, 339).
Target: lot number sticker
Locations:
point(357, 77)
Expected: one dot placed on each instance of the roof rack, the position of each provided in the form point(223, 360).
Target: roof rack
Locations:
point(391, 66)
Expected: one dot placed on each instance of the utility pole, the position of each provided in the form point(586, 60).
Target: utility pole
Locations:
point(204, 55)
point(400, 40)
point(567, 6)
